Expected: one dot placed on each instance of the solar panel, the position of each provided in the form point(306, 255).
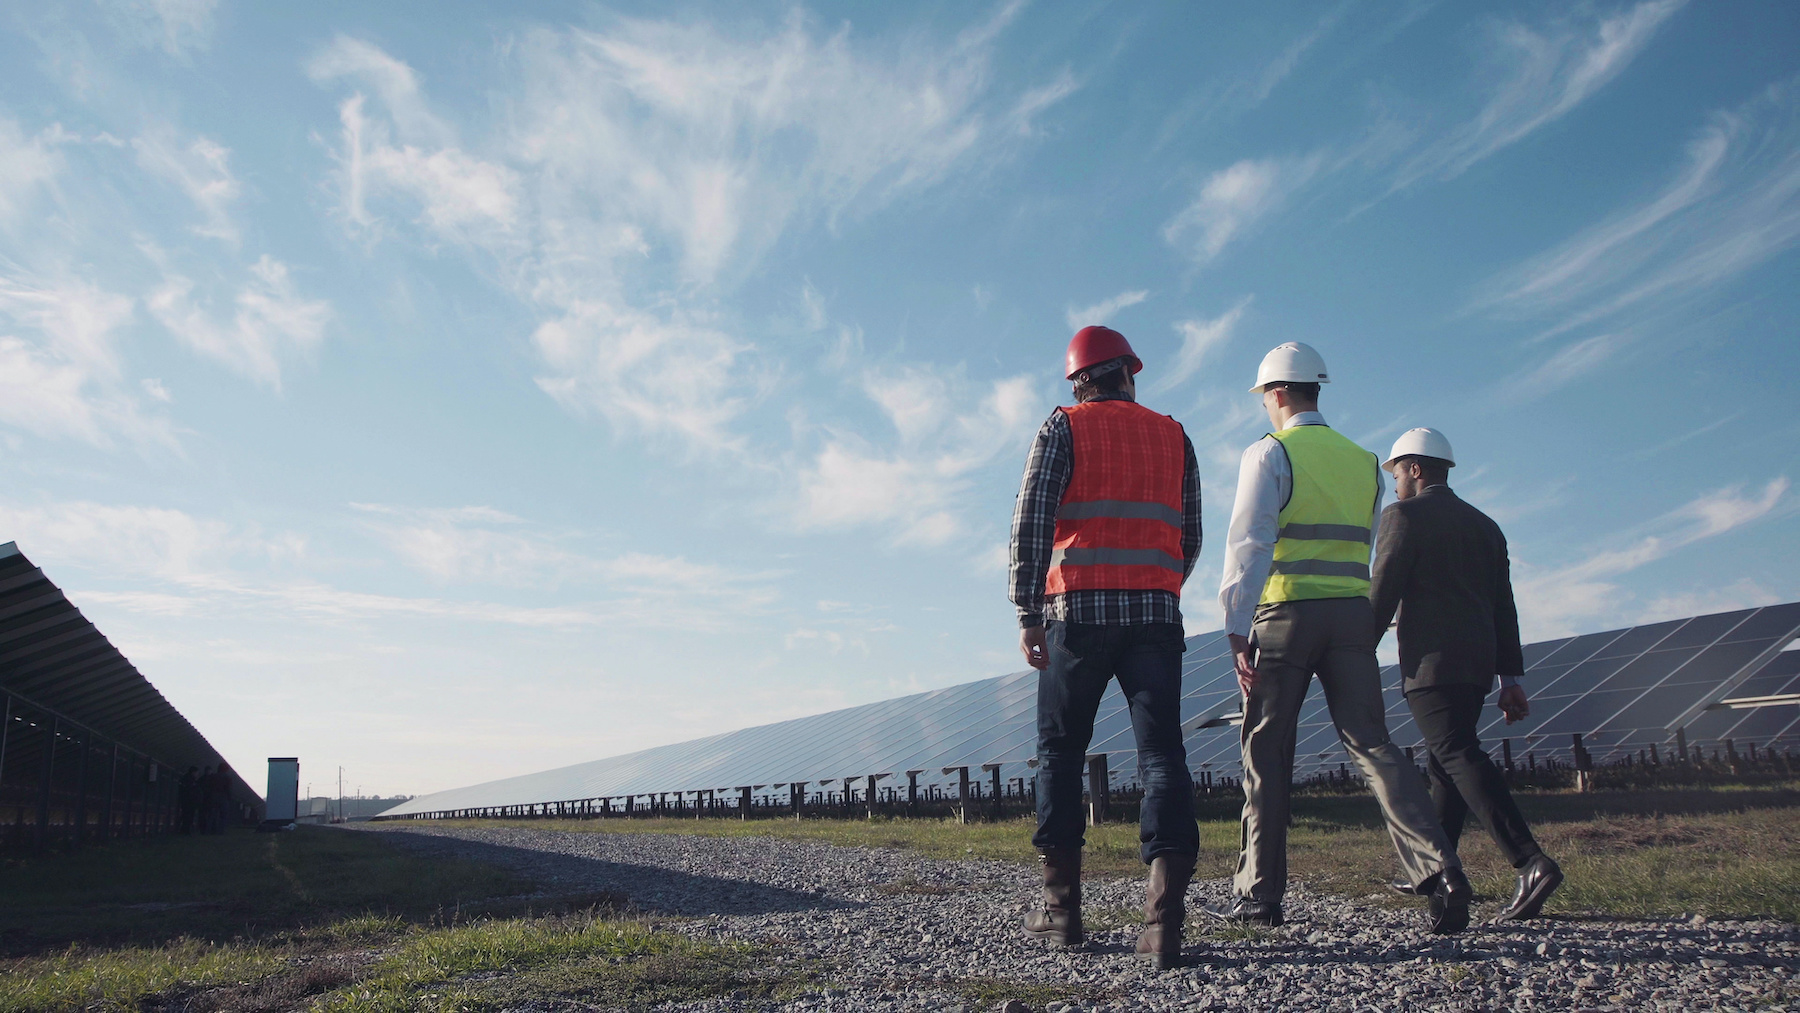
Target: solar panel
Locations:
point(1621, 690)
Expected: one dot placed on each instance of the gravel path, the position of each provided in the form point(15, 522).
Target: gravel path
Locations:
point(898, 930)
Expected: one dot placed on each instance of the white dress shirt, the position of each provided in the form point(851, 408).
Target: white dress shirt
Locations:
point(1265, 480)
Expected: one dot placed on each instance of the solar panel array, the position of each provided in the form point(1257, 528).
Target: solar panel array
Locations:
point(80, 728)
point(1621, 690)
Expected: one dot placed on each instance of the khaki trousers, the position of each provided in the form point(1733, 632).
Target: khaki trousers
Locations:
point(1332, 638)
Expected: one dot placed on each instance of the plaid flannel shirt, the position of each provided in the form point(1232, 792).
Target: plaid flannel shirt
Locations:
point(1047, 473)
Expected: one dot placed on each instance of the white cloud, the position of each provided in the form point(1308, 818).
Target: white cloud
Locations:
point(1559, 601)
point(720, 144)
point(1199, 339)
point(61, 372)
point(478, 544)
point(915, 491)
point(1570, 363)
point(1546, 72)
point(394, 83)
point(1740, 594)
point(201, 170)
point(644, 168)
point(174, 26)
point(1734, 205)
point(206, 566)
point(25, 163)
point(1103, 311)
point(1232, 200)
point(272, 322)
point(1039, 99)
point(131, 541)
point(645, 372)
point(460, 196)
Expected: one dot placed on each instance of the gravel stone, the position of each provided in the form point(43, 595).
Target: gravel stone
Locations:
point(895, 931)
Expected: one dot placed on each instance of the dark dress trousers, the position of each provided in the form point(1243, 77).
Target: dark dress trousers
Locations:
point(1442, 564)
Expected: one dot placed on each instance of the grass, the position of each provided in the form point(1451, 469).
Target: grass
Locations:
point(988, 993)
point(493, 964)
point(335, 922)
point(78, 978)
point(221, 888)
point(1723, 853)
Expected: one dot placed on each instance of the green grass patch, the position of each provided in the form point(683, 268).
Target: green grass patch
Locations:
point(334, 921)
point(119, 979)
point(148, 892)
point(988, 993)
point(503, 962)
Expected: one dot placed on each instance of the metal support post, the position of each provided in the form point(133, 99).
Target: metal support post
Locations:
point(81, 789)
point(912, 791)
point(6, 723)
point(1099, 795)
point(993, 772)
point(130, 793)
point(43, 806)
point(1681, 743)
point(962, 792)
point(797, 797)
point(112, 793)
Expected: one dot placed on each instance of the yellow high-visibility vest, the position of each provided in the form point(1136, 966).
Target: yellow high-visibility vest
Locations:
point(1322, 548)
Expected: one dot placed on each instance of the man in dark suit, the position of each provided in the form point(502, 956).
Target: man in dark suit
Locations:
point(1443, 564)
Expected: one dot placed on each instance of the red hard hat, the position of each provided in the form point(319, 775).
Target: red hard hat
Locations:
point(1093, 345)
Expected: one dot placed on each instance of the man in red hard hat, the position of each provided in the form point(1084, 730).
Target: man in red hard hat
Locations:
point(1105, 531)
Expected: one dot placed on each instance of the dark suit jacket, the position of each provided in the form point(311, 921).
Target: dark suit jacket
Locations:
point(1443, 564)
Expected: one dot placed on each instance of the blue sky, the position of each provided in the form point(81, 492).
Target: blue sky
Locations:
point(457, 396)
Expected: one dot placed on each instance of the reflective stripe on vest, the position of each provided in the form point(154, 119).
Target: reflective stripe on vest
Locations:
point(1119, 524)
point(1322, 544)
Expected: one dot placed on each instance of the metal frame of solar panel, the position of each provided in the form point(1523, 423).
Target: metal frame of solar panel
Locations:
point(1713, 676)
point(88, 748)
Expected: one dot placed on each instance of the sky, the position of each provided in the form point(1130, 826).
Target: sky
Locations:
point(453, 397)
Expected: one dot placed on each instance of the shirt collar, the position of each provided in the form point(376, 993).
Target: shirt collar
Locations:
point(1306, 419)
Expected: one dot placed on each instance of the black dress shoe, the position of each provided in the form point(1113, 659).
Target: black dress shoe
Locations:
point(1244, 911)
point(1450, 899)
point(1538, 879)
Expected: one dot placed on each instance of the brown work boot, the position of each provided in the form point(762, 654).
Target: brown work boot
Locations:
point(1165, 910)
point(1060, 919)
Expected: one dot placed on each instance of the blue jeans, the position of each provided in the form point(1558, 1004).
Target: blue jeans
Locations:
point(1147, 662)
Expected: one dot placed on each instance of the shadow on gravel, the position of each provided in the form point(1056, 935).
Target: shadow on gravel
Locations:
point(649, 888)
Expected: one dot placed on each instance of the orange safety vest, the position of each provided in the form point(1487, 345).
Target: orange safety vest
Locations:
point(1119, 525)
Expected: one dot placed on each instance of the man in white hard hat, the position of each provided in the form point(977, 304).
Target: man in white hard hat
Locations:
point(1105, 531)
point(1442, 564)
point(1296, 600)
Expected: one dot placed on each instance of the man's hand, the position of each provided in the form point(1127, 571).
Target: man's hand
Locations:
point(1513, 704)
point(1031, 642)
point(1246, 668)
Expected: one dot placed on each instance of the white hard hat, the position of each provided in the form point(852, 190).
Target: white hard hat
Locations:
point(1290, 362)
point(1421, 442)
